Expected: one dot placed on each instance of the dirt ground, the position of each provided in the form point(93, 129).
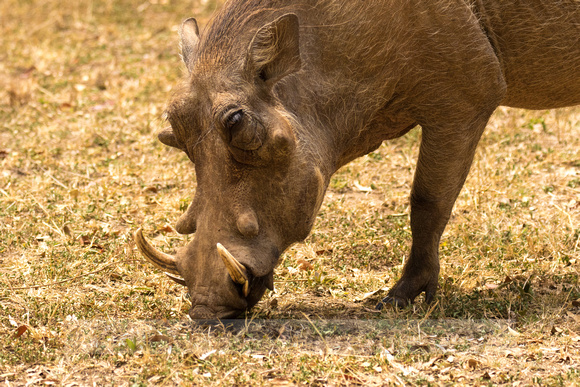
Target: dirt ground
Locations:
point(83, 87)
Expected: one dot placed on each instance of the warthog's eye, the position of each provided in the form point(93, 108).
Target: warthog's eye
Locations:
point(233, 119)
point(242, 131)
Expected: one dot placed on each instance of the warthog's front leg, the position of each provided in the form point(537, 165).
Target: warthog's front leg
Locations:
point(444, 161)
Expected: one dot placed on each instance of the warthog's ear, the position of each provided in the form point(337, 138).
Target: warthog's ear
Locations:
point(167, 137)
point(275, 49)
point(189, 33)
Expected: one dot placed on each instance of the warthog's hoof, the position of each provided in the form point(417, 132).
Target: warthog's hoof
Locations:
point(394, 302)
point(408, 288)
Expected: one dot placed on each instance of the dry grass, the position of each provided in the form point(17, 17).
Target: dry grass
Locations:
point(82, 88)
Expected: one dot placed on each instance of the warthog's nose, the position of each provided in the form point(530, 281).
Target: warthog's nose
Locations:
point(202, 312)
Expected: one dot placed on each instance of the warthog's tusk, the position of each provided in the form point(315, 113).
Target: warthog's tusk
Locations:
point(177, 279)
point(163, 261)
point(236, 270)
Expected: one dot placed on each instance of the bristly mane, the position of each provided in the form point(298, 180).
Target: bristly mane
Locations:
point(234, 25)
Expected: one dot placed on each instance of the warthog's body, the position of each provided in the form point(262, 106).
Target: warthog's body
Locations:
point(280, 94)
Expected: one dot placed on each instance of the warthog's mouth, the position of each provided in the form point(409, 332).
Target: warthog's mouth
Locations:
point(202, 312)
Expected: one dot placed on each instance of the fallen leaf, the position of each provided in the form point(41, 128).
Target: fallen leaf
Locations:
point(555, 330)
point(207, 354)
point(370, 294)
point(350, 374)
point(158, 338)
point(551, 349)
point(362, 188)
point(98, 247)
point(26, 72)
point(514, 352)
point(472, 363)
point(20, 331)
point(103, 106)
point(66, 229)
point(304, 264)
point(50, 382)
point(166, 228)
point(432, 362)
point(116, 276)
point(575, 317)
point(292, 270)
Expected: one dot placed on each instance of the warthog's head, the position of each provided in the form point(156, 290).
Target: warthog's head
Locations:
point(258, 189)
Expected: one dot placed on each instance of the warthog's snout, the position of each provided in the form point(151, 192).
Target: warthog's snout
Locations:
point(224, 289)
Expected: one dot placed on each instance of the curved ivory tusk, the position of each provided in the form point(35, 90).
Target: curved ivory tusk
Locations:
point(177, 279)
point(236, 270)
point(163, 261)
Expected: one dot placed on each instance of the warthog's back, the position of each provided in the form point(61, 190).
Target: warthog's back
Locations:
point(538, 44)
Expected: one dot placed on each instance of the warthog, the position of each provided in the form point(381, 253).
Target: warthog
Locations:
point(280, 94)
